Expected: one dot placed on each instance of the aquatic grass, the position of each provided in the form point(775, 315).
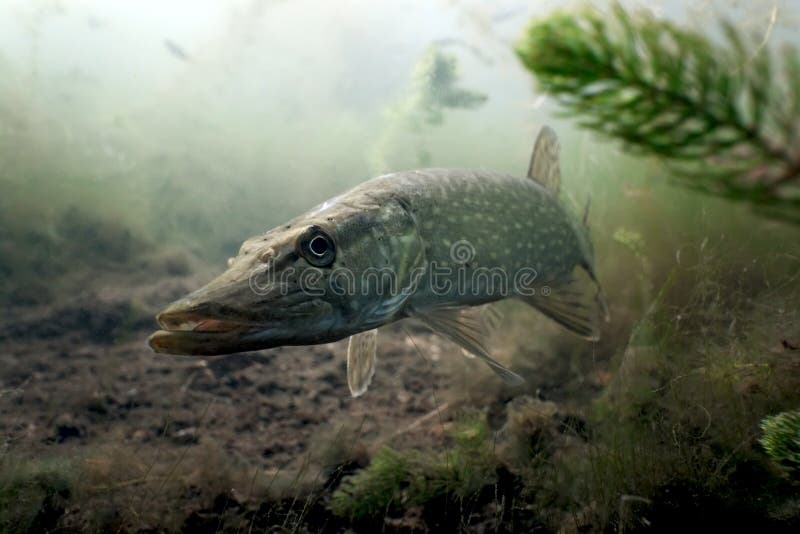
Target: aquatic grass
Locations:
point(698, 375)
point(690, 377)
point(123, 485)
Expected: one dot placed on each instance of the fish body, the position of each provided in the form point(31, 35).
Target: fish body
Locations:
point(430, 244)
point(475, 223)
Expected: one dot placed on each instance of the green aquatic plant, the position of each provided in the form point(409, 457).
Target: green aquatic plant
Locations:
point(370, 491)
point(725, 119)
point(33, 495)
point(395, 480)
point(433, 89)
point(781, 439)
point(677, 423)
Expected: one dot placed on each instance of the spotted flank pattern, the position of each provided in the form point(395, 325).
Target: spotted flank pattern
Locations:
point(500, 221)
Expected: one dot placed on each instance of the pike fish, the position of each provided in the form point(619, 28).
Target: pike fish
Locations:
point(436, 245)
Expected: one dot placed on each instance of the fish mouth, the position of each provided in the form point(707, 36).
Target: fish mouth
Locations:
point(195, 334)
point(173, 321)
point(211, 323)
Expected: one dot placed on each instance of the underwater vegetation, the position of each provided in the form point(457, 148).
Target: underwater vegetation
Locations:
point(679, 435)
point(781, 439)
point(725, 117)
point(432, 90)
point(395, 481)
point(720, 116)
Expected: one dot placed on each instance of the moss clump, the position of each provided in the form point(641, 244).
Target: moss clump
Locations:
point(371, 491)
point(781, 439)
point(398, 480)
point(33, 496)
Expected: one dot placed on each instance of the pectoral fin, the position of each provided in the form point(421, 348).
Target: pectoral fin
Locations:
point(361, 357)
point(465, 327)
point(490, 318)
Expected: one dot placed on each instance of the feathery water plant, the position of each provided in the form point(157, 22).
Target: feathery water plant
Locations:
point(781, 439)
point(725, 120)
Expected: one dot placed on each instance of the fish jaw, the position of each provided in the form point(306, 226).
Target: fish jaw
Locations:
point(229, 315)
point(189, 328)
point(235, 338)
point(197, 327)
point(176, 319)
point(194, 334)
point(190, 343)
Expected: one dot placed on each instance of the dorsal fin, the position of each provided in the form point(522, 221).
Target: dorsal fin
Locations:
point(543, 168)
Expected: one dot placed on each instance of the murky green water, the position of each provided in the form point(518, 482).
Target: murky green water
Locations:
point(141, 143)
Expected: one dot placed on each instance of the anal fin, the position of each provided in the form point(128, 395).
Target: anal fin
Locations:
point(361, 358)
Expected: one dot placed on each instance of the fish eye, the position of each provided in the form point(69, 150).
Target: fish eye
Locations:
point(317, 247)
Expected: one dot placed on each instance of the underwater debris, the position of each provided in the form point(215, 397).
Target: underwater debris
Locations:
point(176, 50)
point(33, 495)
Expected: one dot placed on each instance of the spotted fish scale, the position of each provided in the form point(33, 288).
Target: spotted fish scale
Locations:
point(503, 222)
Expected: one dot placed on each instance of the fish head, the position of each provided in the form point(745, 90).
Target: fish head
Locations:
point(319, 278)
